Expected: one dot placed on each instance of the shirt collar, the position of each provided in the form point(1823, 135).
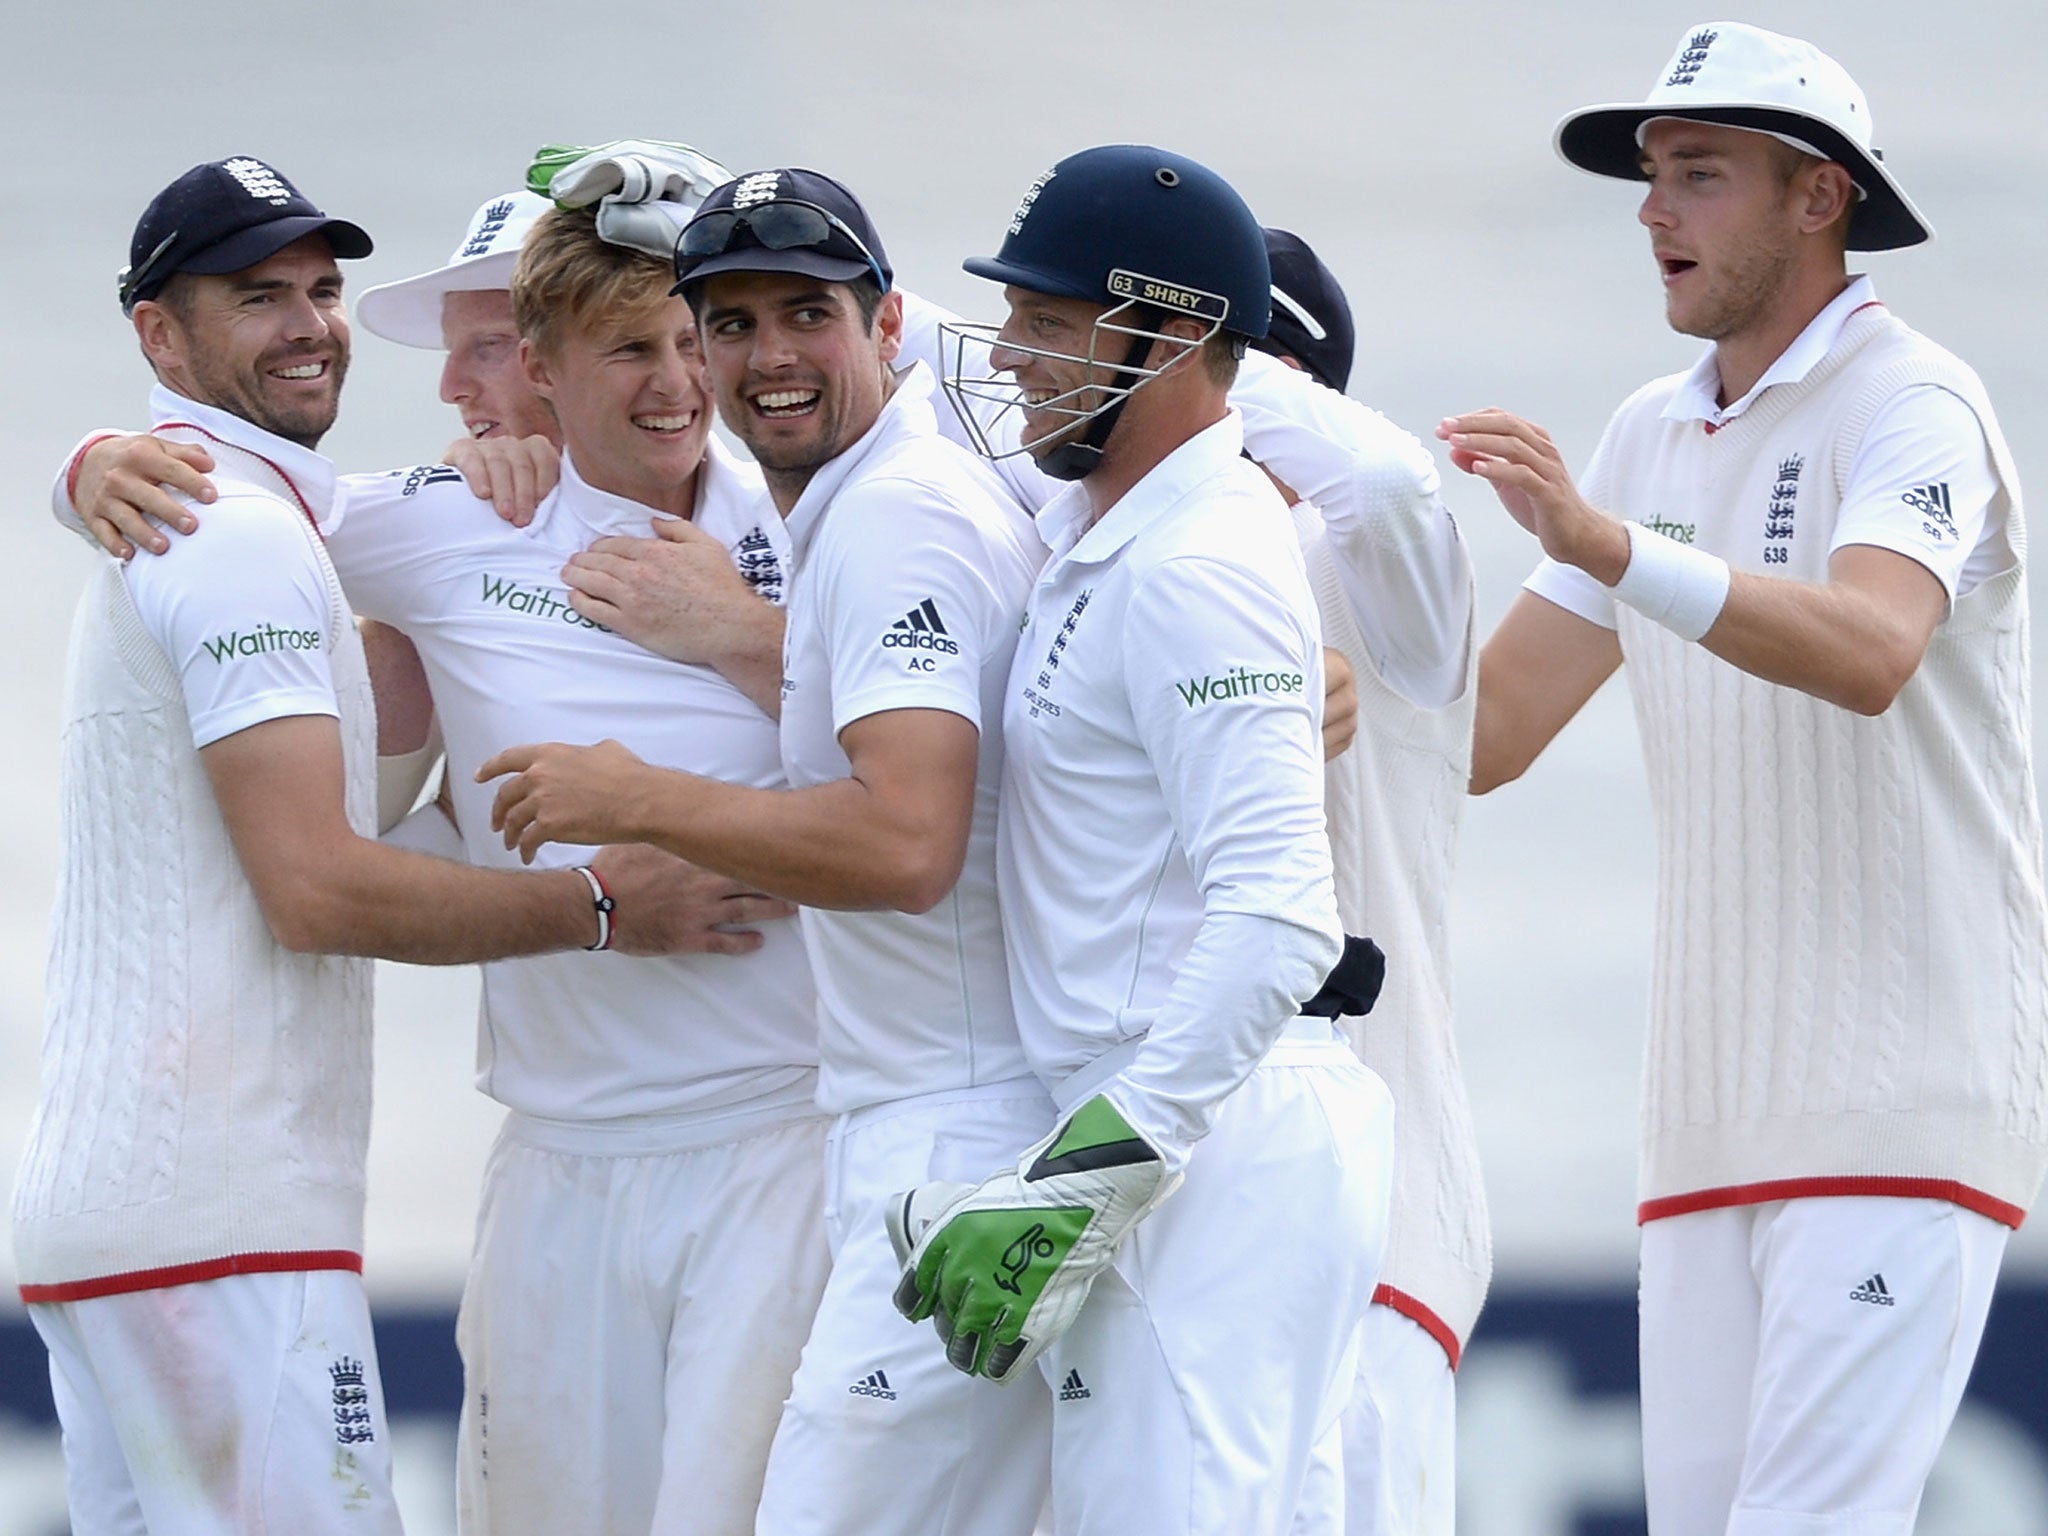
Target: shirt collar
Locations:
point(309, 473)
point(604, 513)
point(907, 413)
point(1697, 397)
point(1063, 522)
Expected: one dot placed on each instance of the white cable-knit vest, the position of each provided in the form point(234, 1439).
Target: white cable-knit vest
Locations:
point(1393, 802)
point(205, 1099)
point(1849, 986)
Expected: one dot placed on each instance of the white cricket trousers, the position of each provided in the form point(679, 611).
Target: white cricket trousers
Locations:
point(633, 1315)
point(1207, 1366)
point(1802, 1361)
point(1400, 1433)
point(244, 1406)
point(881, 1436)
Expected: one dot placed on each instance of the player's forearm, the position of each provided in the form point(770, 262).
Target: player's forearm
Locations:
point(752, 660)
point(1242, 981)
point(392, 904)
point(1837, 643)
point(835, 845)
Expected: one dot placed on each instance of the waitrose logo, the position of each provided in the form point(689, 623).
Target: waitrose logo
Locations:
point(535, 601)
point(263, 640)
point(1237, 683)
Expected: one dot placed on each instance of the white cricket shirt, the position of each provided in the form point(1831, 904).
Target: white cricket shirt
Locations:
point(911, 570)
point(1165, 870)
point(579, 1036)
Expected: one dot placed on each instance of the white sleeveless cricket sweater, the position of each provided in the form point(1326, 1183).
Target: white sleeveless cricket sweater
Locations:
point(1393, 801)
point(205, 1103)
point(1848, 988)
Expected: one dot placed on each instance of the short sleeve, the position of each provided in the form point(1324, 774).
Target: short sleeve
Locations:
point(1922, 485)
point(245, 616)
point(909, 616)
point(1574, 591)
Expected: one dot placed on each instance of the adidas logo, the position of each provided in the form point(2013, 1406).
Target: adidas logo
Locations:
point(920, 630)
point(875, 1384)
point(1931, 502)
point(1873, 1291)
point(1071, 1390)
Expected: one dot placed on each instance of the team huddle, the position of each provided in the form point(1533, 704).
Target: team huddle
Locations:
point(960, 885)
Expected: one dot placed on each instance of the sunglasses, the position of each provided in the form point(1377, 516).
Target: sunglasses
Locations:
point(139, 275)
point(776, 226)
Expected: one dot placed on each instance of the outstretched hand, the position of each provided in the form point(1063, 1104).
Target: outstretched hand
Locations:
point(563, 794)
point(1519, 460)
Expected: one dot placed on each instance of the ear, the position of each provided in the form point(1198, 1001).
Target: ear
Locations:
point(1186, 330)
point(162, 337)
point(1826, 194)
point(536, 369)
point(889, 325)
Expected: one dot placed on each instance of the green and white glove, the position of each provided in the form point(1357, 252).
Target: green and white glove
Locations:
point(645, 190)
point(1002, 1267)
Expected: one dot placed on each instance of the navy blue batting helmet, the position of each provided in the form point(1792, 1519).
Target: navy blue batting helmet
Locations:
point(1126, 222)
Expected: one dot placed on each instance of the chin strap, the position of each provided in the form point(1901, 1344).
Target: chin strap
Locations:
point(1076, 460)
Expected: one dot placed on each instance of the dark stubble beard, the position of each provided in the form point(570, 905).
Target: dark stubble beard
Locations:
point(242, 394)
point(1752, 280)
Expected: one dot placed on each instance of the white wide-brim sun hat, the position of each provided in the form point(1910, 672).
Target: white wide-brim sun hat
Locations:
point(1741, 76)
point(409, 311)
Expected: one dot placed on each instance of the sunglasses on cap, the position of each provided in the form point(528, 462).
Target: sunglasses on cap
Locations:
point(777, 226)
point(135, 278)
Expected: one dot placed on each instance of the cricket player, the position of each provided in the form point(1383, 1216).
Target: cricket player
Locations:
point(188, 1215)
point(1393, 589)
point(650, 1244)
point(1810, 551)
point(1167, 903)
point(910, 569)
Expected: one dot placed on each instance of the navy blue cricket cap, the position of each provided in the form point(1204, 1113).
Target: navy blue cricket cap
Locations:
point(787, 220)
point(222, 217)
point(1311, 316)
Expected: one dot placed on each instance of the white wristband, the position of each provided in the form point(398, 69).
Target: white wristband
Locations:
point(1672, 584)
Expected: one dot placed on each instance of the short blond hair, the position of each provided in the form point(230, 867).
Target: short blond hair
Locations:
point(568, 276)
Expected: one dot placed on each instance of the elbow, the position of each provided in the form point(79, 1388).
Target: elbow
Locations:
point(1493, 765)
point(301, 920)
point(920, 878)
point(1874, 686)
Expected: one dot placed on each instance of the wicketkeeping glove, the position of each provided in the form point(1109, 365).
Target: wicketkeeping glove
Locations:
point(645, 190)
point(1002, 1267)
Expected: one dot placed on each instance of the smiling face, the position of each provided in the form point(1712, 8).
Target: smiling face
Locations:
point(799, 372)
point(483, 377)
point(1723, 217)
point(628, 387)
point(268, 344)
point(1060, 391)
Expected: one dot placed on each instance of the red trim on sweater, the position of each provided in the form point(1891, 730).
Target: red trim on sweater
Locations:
point(191, 1274)
point(1837, 1184)
point(289, 483)
point(1423, 1318)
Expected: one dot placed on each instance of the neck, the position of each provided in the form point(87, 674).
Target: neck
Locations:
point(1142, 442)
point(677, 498)
point(1745, 356)
point(786, 486)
